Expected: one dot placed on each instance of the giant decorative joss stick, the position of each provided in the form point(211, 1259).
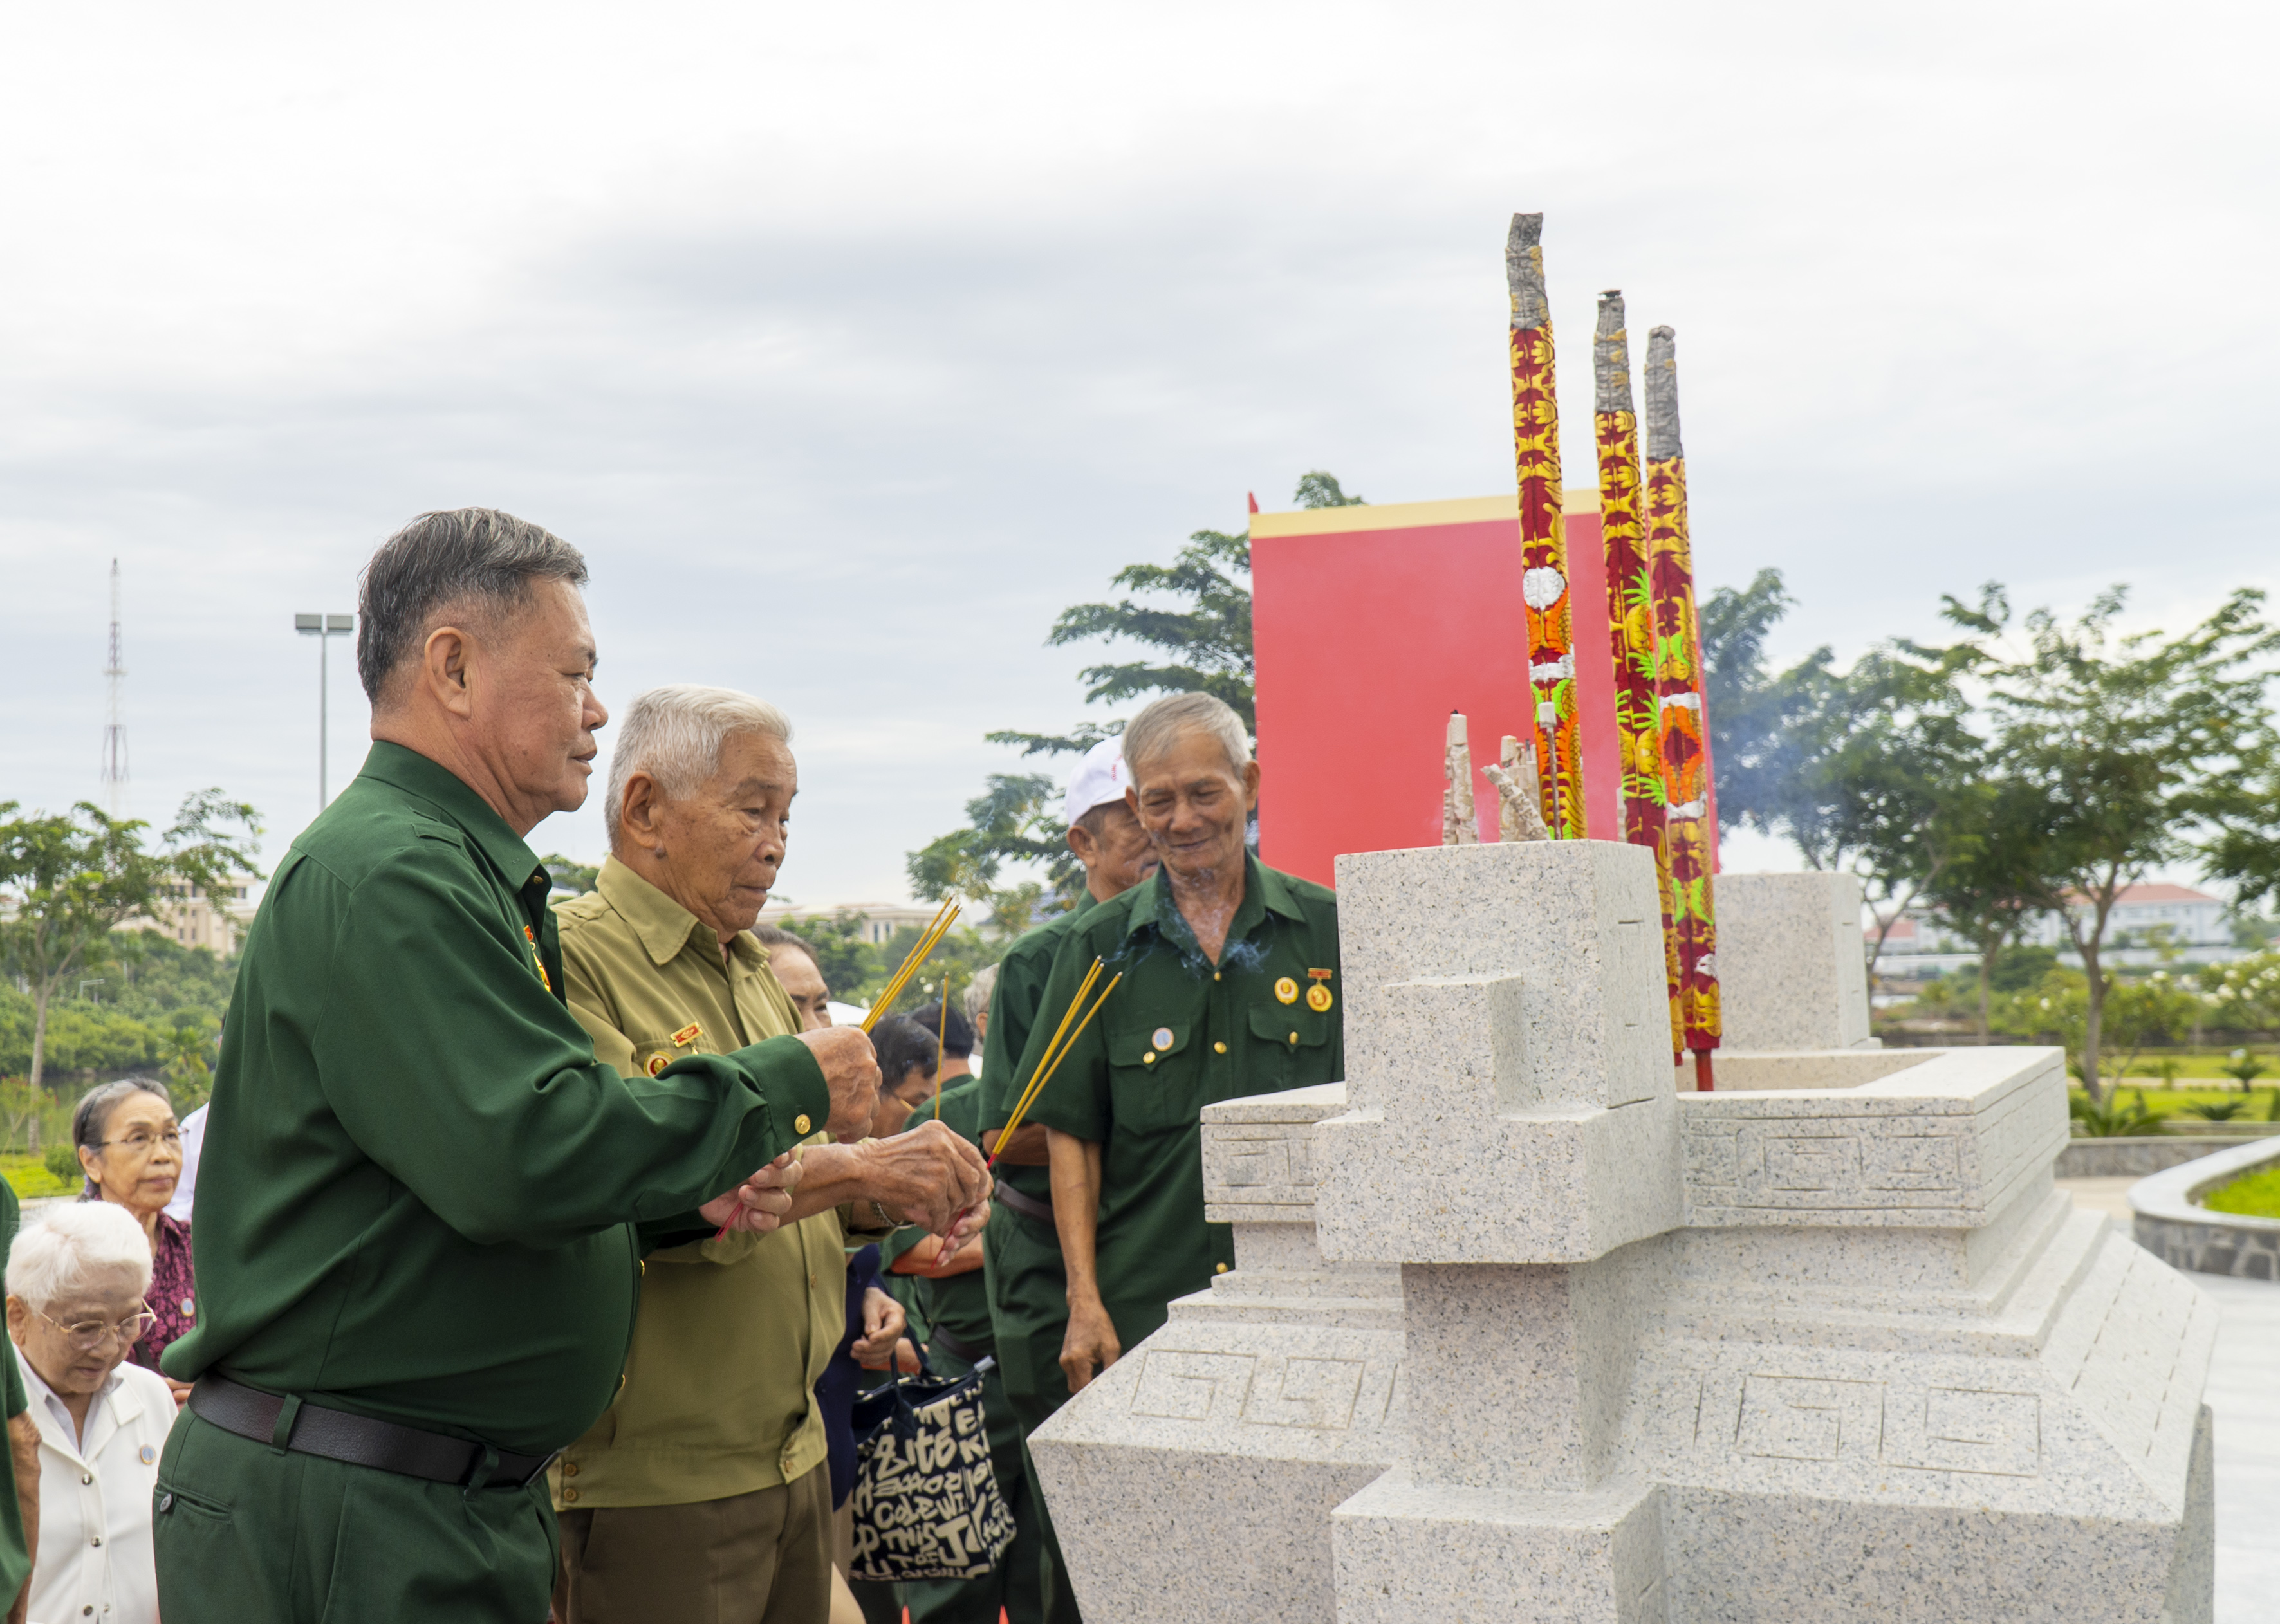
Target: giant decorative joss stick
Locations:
point(1678, 704)
point(1631, 618)
point(1458, 825)
point(1543, 545)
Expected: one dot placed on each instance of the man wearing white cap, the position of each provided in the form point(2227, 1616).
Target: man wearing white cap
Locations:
point(1029, 1291)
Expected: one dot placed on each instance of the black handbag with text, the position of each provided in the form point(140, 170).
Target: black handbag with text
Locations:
point(926, 1502)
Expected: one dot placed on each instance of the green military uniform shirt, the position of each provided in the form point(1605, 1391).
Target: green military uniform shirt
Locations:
point(958, 1304)
point(1023, 1274)
point(15, 1552)
point(1178, 1035)
point(421, 1182)
point(732, 1332)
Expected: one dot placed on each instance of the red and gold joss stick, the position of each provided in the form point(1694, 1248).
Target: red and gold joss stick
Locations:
point(1542, 543)
point(1630, 619)
point(1679, 718)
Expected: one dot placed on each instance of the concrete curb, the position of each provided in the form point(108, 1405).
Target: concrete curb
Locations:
point(2174, 1227)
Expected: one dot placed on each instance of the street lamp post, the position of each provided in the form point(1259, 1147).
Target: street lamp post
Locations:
point(324, 628)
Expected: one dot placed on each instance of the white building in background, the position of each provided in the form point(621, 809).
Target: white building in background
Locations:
point(2193, 921)
point(200, 921)
point(881, 919)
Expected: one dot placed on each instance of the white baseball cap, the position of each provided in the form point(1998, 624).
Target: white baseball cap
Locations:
point(1100, 779)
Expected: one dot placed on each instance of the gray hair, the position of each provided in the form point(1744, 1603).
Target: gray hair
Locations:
point(1159, 726)
point(441, 561)
point(675, 734)
point(61, 1253)
point(91, 1119)
point(975, 999)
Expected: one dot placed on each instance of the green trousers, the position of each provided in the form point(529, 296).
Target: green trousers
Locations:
point(1029, 1309)
point(246, 1534)
point(1015, 1584)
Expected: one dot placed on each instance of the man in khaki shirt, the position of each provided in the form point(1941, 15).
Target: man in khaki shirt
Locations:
point(702, 1492)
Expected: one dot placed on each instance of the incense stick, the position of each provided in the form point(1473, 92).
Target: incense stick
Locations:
point(941, 1027)
point(935, 931)
point(1045, 1073)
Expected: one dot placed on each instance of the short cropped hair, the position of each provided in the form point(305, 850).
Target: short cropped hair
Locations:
point(775, 935)
point(957, 1036)
point(975, 999)
point(675, 734)
point(472, 556)
point(901, 1043)
point(1159, 726)
point(74, 1242)
point(91, 1119)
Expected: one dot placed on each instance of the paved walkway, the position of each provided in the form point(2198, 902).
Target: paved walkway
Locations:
point(2243, 1392)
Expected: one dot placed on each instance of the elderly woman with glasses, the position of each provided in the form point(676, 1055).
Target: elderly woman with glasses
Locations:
point(76, 1305)
point(131, 1150)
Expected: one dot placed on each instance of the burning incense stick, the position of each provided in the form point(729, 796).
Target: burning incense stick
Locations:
point(943, 920)
point(1680, 722)
point(1046, 1069)
point(941, 1030)
point(1630, 621)
point(1543, 540)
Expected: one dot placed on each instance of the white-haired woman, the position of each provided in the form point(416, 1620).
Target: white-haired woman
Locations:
point(76, 1282)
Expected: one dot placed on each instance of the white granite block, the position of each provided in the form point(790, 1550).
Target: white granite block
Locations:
point(1408, 1551)
point(1576, 922)
point(1742, 1071)
point(1792, 972)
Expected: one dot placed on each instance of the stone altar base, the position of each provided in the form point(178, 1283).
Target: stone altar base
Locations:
point(1519, 1334)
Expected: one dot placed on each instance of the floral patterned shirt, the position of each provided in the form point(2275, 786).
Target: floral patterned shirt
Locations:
point(173, 1292)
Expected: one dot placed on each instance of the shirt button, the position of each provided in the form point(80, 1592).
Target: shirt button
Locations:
point(570, 1468)
point(87, 1477)
point(1148, 1059)
point(1219, 1048)
point(97, 1540)
point(1214, 975)
point(799, 1123)
point(1220, 1268)
point(569, 1494)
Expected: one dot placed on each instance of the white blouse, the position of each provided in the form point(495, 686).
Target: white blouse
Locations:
point(94, 1563)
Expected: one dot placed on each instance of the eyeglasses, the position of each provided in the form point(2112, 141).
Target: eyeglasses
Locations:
point(88, 1335)
point(143, 1144)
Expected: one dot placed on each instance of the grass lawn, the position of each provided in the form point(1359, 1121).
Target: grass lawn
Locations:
point(2193, 1067)
point(2257, 1196)
point(27, 1175)
point(2162, 1102)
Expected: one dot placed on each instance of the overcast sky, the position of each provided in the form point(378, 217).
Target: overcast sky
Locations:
point(852, 345)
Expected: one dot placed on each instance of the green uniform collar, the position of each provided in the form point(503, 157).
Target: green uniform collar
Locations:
point(441, 788)
point(1264, 890)
point(663, 926)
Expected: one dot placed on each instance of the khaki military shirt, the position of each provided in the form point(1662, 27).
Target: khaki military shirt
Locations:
point(732, 1334)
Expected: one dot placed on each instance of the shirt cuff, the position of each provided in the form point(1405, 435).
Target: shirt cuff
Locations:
point(785, 1073)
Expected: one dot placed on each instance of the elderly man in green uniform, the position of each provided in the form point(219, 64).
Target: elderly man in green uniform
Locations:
point(1027, 1288)
point(703, 1492)
point(1230, 988)
point(421, 1231)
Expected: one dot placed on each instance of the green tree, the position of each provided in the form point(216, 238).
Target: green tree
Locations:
point(1198, 620)
point(1986, 891)
point(1764, 726)
point(77, 876)
point(2122, 739)
point(568, 875)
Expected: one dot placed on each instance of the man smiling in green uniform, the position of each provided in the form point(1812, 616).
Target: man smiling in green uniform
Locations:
point(417, 1251)
point(1027, 1287)
point(1230, 988)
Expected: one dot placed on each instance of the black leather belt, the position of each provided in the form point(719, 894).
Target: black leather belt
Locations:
point(939, 1336)
point(360, 1439)
point(1028, 1207)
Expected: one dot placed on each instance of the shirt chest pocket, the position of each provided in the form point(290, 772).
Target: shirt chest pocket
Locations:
point(1289, 1048)
point(653, 1054)
point(1152, 1075)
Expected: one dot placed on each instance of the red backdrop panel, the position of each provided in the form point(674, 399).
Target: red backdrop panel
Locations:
point(1366, 640)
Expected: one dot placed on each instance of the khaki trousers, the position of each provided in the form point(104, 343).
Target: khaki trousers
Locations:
point(763, 1558)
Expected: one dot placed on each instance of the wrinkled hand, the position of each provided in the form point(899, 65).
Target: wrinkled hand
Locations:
point(961, 1252)
point(883, 1325)
point(930, 1176)
point(1089, 1344)
point(758, 1205)
point(851, 1070)
point(179, 1390)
